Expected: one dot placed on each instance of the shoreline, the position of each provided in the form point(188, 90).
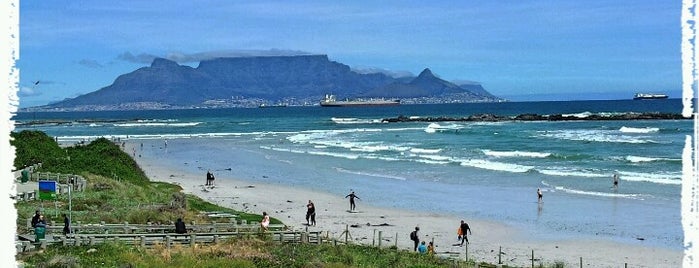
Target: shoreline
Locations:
point(287, 204)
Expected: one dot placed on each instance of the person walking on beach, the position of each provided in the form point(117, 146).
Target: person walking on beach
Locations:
point(311, 213)
point(541, 196)
point(616, 181)
point(415, 237)
point(265, 222)
point(208, 177)
point(464, 228)
point(352, 196)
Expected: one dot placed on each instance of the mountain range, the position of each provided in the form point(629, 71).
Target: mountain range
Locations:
point(251, 81)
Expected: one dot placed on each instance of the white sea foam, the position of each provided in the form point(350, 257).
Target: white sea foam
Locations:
point(492, 165)
point(578, 115)
point(639, 130)
point(592, 193)
point(352, 120)
point(435, 127)
point(157, 124)
point(515, 154)
point(342, 170)
point(593, 136)
point(673, 179)
point(639, 159)
point(424, 151)
point(573, 173)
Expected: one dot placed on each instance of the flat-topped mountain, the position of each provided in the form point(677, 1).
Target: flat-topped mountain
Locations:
point(251, 81)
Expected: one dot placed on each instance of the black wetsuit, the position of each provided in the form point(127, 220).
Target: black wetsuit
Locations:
point(352, 196)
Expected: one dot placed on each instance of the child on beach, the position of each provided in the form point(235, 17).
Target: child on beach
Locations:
point(422, 248)
point(430, 248)
point(265, 221)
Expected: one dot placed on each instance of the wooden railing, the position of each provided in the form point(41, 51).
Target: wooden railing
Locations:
point(166, 237)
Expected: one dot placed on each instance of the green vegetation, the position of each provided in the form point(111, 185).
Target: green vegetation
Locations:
point(119, 191)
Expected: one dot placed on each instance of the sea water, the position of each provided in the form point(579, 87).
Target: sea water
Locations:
point(486, 170)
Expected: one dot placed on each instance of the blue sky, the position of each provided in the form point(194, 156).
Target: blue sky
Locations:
point(521, 50)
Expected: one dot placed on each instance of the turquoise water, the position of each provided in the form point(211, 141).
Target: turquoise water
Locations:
point(467, 169)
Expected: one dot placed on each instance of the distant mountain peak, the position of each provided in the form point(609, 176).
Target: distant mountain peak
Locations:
point(426, 73)
point(163, 63)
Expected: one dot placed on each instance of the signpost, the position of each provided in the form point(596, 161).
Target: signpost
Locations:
point(47, 190)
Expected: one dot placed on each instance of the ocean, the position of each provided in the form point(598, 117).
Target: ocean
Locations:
point(484, 170)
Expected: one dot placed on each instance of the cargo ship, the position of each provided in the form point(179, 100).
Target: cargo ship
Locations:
point(646, 96)
point(331, 101)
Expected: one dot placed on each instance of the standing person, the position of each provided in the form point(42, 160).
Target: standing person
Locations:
point(415, 237)
point(311, 213)
point(541, 196)
point(352, 196)
point(616, 181)
point(35, 219)
point(464, 228)
point(208, 177)
point(66, 224)
point(265, 221)
point(212, 179)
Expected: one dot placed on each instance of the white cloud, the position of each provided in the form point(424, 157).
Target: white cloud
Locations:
point(28, 92)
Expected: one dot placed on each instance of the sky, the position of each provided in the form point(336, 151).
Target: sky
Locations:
point(519, 50)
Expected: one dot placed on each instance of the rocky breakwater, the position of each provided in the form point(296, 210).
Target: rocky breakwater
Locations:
point(538, 117)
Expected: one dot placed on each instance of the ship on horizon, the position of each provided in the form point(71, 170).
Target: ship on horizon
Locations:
point(331, 101)
point(648, 96)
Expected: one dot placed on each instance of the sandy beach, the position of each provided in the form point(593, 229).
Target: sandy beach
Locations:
point(288, 204)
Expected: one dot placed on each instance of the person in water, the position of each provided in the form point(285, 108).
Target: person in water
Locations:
point(541, 196)
point(352, 196)
point(616, 181)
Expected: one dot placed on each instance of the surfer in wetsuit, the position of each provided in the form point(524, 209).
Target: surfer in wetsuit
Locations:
point(352, 196)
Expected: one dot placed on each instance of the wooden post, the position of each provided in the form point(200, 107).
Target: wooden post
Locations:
point(466, 252)
point(192, 239)
point(92, 240)
point(215, 239)
point(304, 237)
point(373, 239)
point(380, 234)
point(143, 241)
point(346, 233)
point(396, 242)
point(499, 254)
point(168, 240)
point(532, 258)
point(580, 262)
